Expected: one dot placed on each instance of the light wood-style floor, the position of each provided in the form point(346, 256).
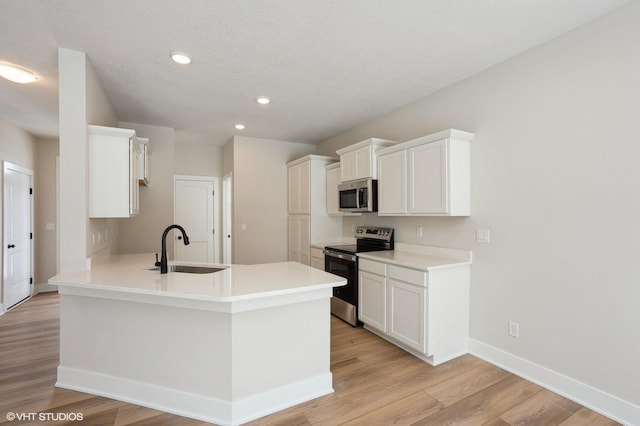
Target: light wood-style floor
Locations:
point(375, 384)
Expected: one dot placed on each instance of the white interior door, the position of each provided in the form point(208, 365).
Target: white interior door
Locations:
point(18, 235)
point(226, 220)
point(194, 210)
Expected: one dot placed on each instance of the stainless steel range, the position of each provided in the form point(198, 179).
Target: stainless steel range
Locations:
point(342, 260)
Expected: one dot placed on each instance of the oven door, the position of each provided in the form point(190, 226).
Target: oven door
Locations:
point(345, 299)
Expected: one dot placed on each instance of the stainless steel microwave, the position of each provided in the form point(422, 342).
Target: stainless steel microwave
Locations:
point(358, 196)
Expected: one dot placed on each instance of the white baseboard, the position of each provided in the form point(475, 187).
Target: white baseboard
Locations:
point(199, 407)
point(609, 405)
point(44, 287)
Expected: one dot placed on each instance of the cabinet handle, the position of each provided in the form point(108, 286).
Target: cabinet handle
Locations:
point(11, 246)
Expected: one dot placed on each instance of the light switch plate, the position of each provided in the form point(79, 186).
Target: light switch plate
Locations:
point(482, 236)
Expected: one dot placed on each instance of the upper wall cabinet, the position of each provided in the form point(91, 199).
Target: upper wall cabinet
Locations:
point(427, 176)
point(358, 161)
point(143, 161)
point(113, 172)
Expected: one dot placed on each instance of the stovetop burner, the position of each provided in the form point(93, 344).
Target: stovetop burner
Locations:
point(367, 239)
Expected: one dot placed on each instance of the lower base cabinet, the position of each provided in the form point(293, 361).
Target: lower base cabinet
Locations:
point(423, 312)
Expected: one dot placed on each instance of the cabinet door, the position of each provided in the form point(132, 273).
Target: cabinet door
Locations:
point(428, 178)
point(348, 166)
point(333, 198)
point(372, 309)
point(392, 183)
point(299, 239)
point(407, 314)
point(364, 168)
point(134, 173)
point(299, 188)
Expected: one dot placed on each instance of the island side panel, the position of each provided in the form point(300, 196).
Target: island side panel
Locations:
point(104, 342)
point(281, 357)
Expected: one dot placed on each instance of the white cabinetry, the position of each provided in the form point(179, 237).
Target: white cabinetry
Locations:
point(423, 312)
point(428, 176)
point(333, 180)
point(372, 294)
point(113, 172)
point(300, 238)
point(308, 218)
point(143, 161)
point(317, 258)
point(299, 178)
point(358, 161)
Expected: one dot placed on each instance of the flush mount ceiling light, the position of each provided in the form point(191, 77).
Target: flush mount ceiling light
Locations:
point(263, 100)
point(17, 74)
point(181, 58)
point(239, 126)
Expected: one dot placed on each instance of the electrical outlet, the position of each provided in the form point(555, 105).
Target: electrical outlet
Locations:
point(514, 329)
point(419, 231)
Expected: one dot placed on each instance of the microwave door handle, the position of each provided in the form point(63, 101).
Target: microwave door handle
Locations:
point(358, 192)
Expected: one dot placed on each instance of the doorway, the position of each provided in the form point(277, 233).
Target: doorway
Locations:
point(18, 234)
point(196, 210)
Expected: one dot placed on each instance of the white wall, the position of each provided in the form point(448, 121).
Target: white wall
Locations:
point(169, 157)
point(260, 197)
point(555, 178)
point(17, 147)
point(81, 102)
point(142, 234)
point(46, 246)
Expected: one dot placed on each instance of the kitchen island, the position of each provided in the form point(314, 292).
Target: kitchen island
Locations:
point(224, 347)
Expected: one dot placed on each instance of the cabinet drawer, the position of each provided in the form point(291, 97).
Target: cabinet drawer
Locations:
point(373, 267)
point(412, 276)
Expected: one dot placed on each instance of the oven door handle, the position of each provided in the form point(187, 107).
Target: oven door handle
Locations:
point(342, 256)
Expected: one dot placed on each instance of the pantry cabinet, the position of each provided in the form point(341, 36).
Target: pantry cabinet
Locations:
point(358, 161)
point(424, 311)
point(427, 176)
point(299, 178)
point(113, 172)
point(308, 219)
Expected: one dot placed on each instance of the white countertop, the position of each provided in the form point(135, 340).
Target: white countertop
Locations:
point(131, 274)
point(425, 258)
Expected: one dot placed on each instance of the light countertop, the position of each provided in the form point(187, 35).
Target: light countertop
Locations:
point(424, 258)
point(131, 274)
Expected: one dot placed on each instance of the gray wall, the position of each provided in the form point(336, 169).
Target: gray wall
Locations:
point(260, 197)
point(555, 178)
point(17, 147)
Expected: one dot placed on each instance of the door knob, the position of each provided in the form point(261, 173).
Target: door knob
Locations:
point(11, 246)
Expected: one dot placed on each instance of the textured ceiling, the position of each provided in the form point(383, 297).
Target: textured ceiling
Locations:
point(327, 65)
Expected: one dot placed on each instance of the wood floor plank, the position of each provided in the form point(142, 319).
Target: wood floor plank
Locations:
point(485, 405)
point(544, 408)
point(402, 412)
point(587, 417)
point(469, 382)
point(376, 383)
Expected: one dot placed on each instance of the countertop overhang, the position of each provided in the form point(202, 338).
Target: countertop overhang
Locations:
point(236, 288)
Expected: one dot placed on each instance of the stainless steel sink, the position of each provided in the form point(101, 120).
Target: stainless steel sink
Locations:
point(187, 269)
point(194, 269)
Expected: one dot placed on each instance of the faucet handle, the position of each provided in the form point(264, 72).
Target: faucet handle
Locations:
point(157, 262)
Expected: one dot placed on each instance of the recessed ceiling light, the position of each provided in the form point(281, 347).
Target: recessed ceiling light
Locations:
point(263, 100)
point(181, 58)
point(239, 126)
point(17, 74)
